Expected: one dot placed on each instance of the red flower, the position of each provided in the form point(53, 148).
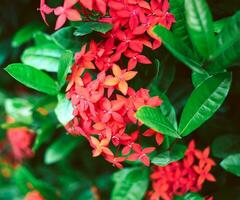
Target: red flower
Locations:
point(66, 12)
point(45, 9)
point(204, 157)
point(204, 174)
point(158, 136)
point(34, 195)
point(141, 154)
point(116, 161)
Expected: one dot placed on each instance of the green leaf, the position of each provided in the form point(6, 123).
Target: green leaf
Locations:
point(33, 78)
point(228, 42)
point(200, 27)
point(177, 47)
point(198, 78)
point(176, 153)
point(154, 119)
point(189, 196)
point(45, 57)
point(131, 186)
point(61, 148)
point(219, 24)
point(66, 39)
point(41, 38)
point(180, 27)
point(25, 181)
point(19, 109)
point(204, 102)
point(64, 67)
point(64, 109)
point(84, 28)
point(226, 145)
point(26, 33)
point(232, 164)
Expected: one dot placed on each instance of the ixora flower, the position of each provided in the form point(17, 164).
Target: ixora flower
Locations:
point(104, 103)
point(34, 195)
point(186, 175)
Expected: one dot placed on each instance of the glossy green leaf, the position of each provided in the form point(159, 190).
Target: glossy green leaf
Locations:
point(64, 67)
point(154, 119)
point(226, 145)
point(176, 153)
point(64, 109)
point(84, 28)
point(66, 39)
point(33, 78)
point(177, 47)
point(61, 148)
point(232, 164)
point(189, 196)
point(19, 109)
point(45, 57)
point(180, 27)
point(228, 42)
point(219, 24)
point(198, 78)
point(26, 33)
point(41, 38)
point(200, 27)
point(204, 102)
point(132, 185)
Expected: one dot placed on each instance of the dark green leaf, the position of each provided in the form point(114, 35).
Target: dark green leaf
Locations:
point(154, 119)
point(33, 78)
point(64, 67)
point(198, 78)
point(131, 186)
point(228, 42)
point(64, 109)
point(26, 33)
point(65, 38)
point(200, 27)
point(84, 28)
point(226, 145)
point(204, 102)
point(232, 164)
point(61, 148)
point(180, 27)
point(177, 47)
point(44, 57)
point(176, 153)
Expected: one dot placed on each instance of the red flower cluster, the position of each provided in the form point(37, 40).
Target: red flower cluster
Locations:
point(34, 195)
point(106, 105)
point(182, 176)
point(21, 140)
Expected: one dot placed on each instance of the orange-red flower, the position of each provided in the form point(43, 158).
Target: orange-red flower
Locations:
point(120, 78)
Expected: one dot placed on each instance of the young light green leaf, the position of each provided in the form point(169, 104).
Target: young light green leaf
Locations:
point(204, 102)
point(53, 153)
point(64, 67)
point(228, 42)
point(64, 109)
point(226, 145)
point(33, 78)
point(19, 109)
point(200, 27)
point(189, 196)
point(131, 186)
point(169, 156)
point(219, 24)
point(232, 164)
point(177, 47)
point(154, 119)
point(26, 33)
point(41, 38)
point(45, 57)
point(84, 28)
